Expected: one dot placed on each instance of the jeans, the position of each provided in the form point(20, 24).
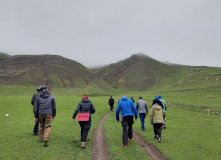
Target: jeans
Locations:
point(142, 119)
point(85, 127)
point(127, 123)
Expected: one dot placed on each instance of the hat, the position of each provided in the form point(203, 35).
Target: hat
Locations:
point(41, 88)
point(160, 96)
point(85, 97)
point(140, 97)
point(156, 97)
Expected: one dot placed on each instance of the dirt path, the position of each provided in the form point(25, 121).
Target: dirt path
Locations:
point(152, 151)
point(99, 148)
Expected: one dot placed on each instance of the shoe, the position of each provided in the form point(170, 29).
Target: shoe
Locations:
point(45, 143)
point(35, 134)
point(131, 140)
point(83, 144)
point(165, 127)
point(156, 136)
point(159, 140)
point(124, 145)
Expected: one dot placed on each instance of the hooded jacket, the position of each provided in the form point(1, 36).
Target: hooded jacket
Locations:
point(85, 106)
point(156, 114)
point(45, 105)
point(164, 104)
point(127, 108)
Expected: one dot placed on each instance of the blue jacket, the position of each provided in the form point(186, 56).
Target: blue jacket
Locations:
point(127, 108)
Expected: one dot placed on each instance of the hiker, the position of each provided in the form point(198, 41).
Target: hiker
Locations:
point(33, 100)
point(127, 108)
point(111, 103)
point(164, 110)
point(85, 107)
point(132, 99)
point(45, 111)
point(119, 100)
point(158, 101)
point(143, 111)
point(156, 119)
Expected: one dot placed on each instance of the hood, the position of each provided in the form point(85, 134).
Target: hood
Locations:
point(85, 101)
point(157, 107)
point(124, 98)
point(45, 95)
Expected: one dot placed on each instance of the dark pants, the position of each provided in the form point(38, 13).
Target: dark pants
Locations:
point(85, 127)
point(36, 127)
point(111, 107)
point(127, 123)
point(164, 118)
point(142, 119)
point(157, 129)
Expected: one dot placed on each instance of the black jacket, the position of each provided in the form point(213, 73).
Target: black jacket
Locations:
point(85, 106)
point(45, 104)
point(111, 101)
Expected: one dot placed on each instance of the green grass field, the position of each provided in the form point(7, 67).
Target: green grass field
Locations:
point(191, 133)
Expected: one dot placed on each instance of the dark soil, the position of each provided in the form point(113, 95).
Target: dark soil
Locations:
point(99, 148)
point(152, 151)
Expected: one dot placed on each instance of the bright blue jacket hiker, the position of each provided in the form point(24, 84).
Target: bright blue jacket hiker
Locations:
point(127, 108)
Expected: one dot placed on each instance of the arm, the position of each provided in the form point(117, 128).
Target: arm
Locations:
point(117, 112)
point(92, 109)
point(76, 111)
point(135, 110)
point(151, 115)
point(53, 108)
point(36, 108)
point(146, 109)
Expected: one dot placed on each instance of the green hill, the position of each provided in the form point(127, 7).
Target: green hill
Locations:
point(138, 73)
point(50, 70)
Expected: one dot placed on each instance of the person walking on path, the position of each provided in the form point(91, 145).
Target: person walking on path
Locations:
point(45, 111)
point(85, 106)
point(143, 111)
point(158, 101)
point(132, 99)
point(156, 119)
point(111, 103)
point(164, 110)
point(33, 100)
point(128, 110)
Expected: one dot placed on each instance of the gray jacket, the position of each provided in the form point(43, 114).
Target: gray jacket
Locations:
point(33, 100)
point(142, 106)
point(85, 106)
point(44, 105)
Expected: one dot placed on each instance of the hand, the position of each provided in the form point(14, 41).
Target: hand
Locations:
point(73, 120)
point(136, 119)
point(53, 117)
point(151, 123)
point(36, 119)
point(147, 114)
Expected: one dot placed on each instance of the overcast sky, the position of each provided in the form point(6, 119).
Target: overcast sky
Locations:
point(99, 32)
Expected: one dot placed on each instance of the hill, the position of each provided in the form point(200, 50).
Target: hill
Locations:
point(50, 70)
point(138, 73)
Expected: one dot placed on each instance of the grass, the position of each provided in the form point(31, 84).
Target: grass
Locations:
point(191, 133)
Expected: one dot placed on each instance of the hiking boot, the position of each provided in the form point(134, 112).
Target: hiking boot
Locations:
point(124, 145)
point(155, 137)
point(35, 134)
point(83, 144)
point(159, 140)
point(45, 143)
point(131, 140)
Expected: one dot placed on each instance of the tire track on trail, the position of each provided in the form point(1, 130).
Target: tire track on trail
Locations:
point(101, 152)
point(152, 151)
point(99, 147)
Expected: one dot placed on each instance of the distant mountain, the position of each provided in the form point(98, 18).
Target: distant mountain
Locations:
point(49, 70)
point(138, 72)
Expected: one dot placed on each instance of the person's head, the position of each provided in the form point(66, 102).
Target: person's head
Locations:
point(131, 97)
point(140, 97)
point(111, 96)
point(85, 97)
point(160, 97)
point(41, 88)
point(156, 97)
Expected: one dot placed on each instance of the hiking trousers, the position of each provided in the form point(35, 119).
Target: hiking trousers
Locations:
point(111, 107)
point(85, 127)
point(157, 129)
point(45, 127)
point(127, 123)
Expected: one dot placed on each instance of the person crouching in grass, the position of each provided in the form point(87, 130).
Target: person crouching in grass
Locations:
point(45, 110)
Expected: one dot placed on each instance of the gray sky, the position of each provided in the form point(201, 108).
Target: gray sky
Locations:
point(98, 32)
